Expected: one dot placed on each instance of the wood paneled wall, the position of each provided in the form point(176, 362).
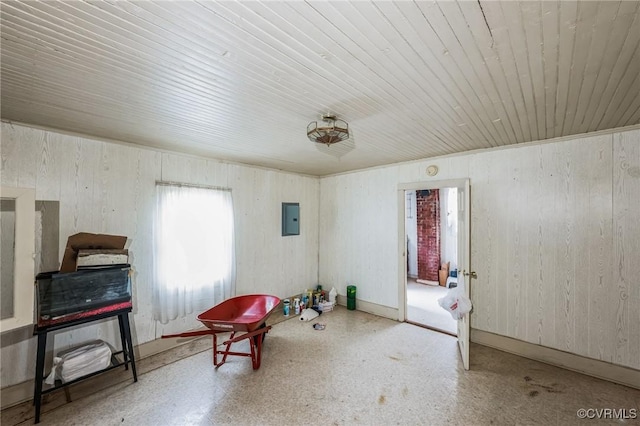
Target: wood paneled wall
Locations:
point(625, 292)
point(555, 240)
point(110, 188)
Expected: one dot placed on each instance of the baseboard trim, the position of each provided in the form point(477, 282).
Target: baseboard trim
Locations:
point(591, 367)
point(21, 392)
point(371, 308)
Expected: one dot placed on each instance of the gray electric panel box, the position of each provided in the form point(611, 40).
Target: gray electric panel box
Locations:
point(290, 219)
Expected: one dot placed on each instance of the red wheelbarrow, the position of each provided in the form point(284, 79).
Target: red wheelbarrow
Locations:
point(241, 314)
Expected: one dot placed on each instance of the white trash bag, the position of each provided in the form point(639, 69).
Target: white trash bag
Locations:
point(78, 362)
point(456, 303)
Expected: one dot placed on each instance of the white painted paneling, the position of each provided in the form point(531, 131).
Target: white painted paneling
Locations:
point(411, 229)
point(355, 225)
point(625, 291)
point(267, 261)
point(599, 248)
point(448, 229)
point(110, 188)
point(554, 240)
point(240, 81)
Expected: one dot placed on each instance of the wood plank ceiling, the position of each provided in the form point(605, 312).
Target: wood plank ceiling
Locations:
point(240, 81)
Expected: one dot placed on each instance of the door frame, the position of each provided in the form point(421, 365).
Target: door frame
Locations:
point(23, 260)
point(464, 184)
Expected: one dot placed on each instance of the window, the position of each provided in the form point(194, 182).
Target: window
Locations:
point(194, 256)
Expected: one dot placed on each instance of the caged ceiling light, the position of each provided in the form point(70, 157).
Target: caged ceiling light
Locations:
point(329, 132)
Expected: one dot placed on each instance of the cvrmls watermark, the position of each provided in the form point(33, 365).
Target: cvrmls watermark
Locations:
point(608, 413)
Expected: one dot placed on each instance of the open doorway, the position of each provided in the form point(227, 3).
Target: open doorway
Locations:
point(431, 221)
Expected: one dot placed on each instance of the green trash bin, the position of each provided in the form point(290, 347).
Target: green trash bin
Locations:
point(351, 297)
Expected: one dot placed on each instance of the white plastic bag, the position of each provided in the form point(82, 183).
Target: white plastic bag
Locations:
point(456, 303)
point(333, 294)
point(78, 362)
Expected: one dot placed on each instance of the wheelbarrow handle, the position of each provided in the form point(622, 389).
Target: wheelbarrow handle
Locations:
point(207, 332)
point(261, 330)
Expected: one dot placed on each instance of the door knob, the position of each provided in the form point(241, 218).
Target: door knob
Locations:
point(471, 274)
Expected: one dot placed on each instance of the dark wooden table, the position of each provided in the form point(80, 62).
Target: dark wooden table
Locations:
point(44, 327)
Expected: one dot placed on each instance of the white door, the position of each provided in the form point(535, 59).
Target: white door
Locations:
point(464, 246)
point(464, 276)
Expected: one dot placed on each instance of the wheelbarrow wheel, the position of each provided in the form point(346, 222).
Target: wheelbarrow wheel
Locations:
point(260, 336)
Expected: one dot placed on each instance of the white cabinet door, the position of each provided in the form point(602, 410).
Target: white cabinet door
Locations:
point(21, 238)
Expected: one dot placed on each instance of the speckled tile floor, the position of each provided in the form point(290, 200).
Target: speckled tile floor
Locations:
point(361, 369)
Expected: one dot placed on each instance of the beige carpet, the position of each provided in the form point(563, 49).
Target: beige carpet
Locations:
point(423, 307)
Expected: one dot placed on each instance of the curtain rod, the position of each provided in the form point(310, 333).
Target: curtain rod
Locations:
point(191, 185)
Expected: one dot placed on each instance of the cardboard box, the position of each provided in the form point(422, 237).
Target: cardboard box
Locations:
point(96, 258)
point(88, 241)
point(443, 274)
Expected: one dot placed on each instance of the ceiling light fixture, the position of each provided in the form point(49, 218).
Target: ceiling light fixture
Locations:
point(329, 132)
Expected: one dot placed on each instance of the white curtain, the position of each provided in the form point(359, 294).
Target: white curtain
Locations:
point(194, 253)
